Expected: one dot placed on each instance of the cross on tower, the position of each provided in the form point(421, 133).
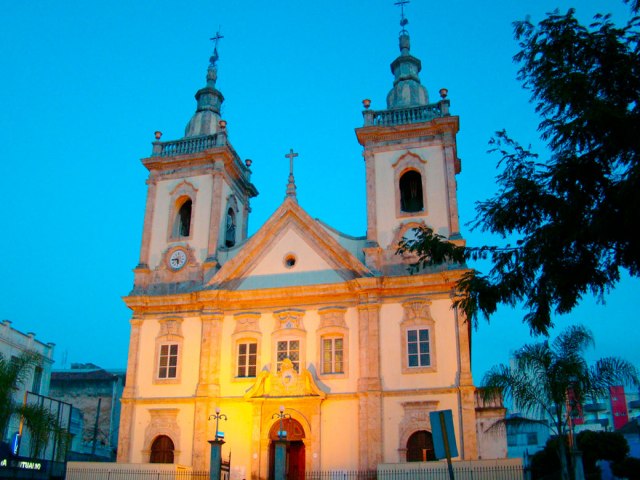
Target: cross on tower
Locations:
point(215, 39)
point(403, 20)
point(291, 186)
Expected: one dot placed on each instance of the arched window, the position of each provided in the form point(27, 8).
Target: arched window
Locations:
point(411, 192)
point(161, 450)
point(230, 235)
point(420, 447)
point(182, 223)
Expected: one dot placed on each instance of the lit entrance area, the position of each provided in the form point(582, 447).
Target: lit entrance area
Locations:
point(295, 451)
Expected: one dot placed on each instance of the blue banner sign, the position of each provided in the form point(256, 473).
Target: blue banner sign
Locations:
point(444, 437)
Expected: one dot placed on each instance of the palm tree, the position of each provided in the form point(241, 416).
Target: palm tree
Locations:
point(543, 377)
point(38, 419)
point(14, 372)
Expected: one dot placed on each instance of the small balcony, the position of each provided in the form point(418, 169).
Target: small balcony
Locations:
point(402, 116)
point(185, 146)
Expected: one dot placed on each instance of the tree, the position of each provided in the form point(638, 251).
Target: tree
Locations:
point(594, 446)
point(38, 419)
point(14, 373)
point(573, 215)
point(544, 375)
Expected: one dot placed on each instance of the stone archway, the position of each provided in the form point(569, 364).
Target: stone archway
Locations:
point(162, 450)
point(296, 455)
point(420, 447)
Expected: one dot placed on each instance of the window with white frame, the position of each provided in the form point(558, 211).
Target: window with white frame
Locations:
point(168, 361)
point(418, 337)
point(418, 352)
point(288, 349)
point(247, 359)
point(332, 355)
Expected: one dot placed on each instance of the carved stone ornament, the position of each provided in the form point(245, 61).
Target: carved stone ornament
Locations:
point(247, 322)
point(417, 310)
point(332, 317)
point(288, 319)
point(286, 383)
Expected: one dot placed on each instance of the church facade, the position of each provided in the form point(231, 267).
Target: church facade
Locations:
point(333, 328)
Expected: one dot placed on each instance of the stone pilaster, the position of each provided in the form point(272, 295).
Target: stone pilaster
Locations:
point(201, 451)
point(370, 173)
point(215, 212)
point(369, 386)
point(211, 336)
point(450, 165)
point(208, 383)
point(148, 223)
point(463, 328)
point(129, 393)
point(469, 434)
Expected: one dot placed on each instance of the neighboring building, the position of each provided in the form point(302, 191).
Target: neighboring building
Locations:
point(88, 387)
point(332, 327)
point(616, 412)
point(13, 343)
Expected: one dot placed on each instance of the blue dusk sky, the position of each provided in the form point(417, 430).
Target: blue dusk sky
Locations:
point(85, 84)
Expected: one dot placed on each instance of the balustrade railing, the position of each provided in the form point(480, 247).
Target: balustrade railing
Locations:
point(401, 116)
point(186, 146)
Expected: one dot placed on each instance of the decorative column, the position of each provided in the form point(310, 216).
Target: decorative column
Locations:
point(208, 382)
point(370, 175)
point(469, 443)
point(451, 168)
point(148, 223)
point(369, 385)
point(215, 213)
point(129, 393)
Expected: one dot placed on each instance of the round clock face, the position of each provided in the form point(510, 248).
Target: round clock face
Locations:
point(177, 259)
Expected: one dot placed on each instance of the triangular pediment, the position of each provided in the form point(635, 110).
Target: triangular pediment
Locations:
point(291, 249)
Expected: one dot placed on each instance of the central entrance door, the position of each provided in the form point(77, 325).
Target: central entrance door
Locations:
point(295, 451)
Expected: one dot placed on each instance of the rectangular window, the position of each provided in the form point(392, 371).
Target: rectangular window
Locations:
point(247, 359)
point(37, 380)
point(418, 348)
point(289, 349)
point(168, 362)
point(332, 355)
point(532, 438)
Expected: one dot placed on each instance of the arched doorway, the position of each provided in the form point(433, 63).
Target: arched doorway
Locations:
point(161, 450)
point(420, 447)
point(295, 451)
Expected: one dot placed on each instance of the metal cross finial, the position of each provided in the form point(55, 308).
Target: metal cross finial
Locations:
point(291, 156)
point(291, 185)
point(216, 39)
point(403, 20)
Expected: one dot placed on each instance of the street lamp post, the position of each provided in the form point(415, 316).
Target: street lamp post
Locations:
point(280, 464)
point(216, 447)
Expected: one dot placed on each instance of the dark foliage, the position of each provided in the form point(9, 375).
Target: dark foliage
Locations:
point(573, 214)
point(594, 446)
point(628, 468)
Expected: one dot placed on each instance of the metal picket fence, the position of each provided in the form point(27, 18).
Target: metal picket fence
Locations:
point(431, 472)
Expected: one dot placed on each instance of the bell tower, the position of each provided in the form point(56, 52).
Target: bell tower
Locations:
point(198, 197)
point(411, 162)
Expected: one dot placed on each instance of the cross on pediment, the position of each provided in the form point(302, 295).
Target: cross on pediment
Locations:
point(291, 185)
